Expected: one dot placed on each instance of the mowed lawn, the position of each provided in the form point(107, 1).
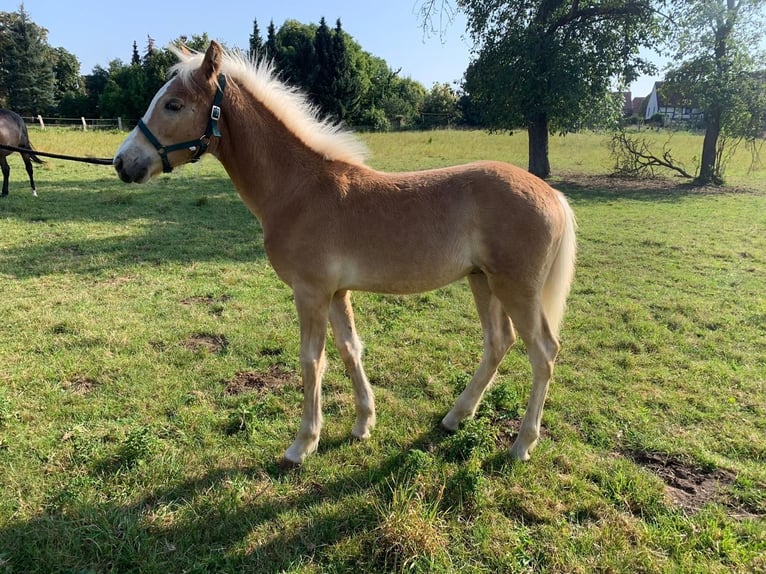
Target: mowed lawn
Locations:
point(149, 384)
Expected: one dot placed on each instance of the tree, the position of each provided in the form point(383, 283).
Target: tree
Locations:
point(136, 57)
point(256, 43)
point(66, 72)
point(543, 64)
point(347, 85)
point(272, 49)
point(69, 89)
point(155, 66)
point(321, 90)
point(717, 73)
point(440, 106)
point(25, 66)
point(95, 85)
point(336, 86)
point(297, 55)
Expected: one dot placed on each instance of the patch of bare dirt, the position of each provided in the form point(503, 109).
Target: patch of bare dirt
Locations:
point(255, 381)
point(508, 430)
point(206, 342)
point(80, 385)
point(206, 300)
point(691, 487)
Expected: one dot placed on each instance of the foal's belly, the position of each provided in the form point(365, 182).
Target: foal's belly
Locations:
point(398, 277)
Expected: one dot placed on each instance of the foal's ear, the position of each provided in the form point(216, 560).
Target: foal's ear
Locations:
point(211, 64)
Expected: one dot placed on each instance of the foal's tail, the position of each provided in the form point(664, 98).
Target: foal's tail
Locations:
point(561, 273)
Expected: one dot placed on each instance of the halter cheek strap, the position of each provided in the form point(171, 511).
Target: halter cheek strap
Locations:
point(198, 146)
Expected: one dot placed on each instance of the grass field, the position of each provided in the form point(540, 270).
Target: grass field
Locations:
point(149, 384)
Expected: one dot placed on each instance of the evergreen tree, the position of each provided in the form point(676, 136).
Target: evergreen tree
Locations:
point(256, 43)
point(27, 73)
point(347, 87)
point(136, 59)
point(324, 77)
point(272, 50)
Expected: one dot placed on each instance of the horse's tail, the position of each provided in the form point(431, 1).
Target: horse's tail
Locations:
point(26, 144)
point(560, 276)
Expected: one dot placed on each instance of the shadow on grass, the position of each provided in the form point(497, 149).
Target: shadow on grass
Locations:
point(181, 529)
point(660, 190)
point(168, 220)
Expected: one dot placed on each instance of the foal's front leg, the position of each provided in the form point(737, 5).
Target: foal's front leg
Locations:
point(313, 312)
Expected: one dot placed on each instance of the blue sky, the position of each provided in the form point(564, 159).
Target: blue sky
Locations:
point(98, 32)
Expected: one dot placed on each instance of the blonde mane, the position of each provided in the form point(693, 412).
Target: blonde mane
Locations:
point(287, 103)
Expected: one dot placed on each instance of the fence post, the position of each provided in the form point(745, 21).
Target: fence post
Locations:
point(41, 122)
point(119, 124)
point(84, 124)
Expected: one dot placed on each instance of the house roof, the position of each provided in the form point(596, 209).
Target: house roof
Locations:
point(636, 104)
point(669, 100)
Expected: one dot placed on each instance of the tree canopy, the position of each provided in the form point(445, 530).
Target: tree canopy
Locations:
point(547, 64)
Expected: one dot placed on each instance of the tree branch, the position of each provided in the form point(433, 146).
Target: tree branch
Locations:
point(576, 13)
point(634, 158)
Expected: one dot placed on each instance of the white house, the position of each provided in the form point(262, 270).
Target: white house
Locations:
point(668, 107)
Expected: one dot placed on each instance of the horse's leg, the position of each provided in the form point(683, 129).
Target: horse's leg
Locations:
point(28, 164)
point(542, 348)
point(313, 310)
point(6, 173)
point(350, 349)
point(498, 338)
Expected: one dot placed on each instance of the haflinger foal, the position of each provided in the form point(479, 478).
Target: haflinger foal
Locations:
point(331, 225)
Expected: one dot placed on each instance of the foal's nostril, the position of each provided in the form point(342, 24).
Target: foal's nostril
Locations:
point(117, 163)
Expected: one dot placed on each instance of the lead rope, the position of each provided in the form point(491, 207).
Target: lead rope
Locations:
point(93, 160)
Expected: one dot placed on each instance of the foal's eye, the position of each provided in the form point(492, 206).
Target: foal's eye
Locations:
point(174, 105)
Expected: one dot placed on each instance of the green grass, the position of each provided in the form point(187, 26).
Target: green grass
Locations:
point(149, 386)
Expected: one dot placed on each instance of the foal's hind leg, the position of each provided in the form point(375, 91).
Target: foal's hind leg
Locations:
point(350, 349)
point(498, 338)
point(6, 173)
point(30, 172)
point(542, 348)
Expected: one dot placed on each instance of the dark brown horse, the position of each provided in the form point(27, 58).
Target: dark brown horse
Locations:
point(331, 224)
point(13, 132)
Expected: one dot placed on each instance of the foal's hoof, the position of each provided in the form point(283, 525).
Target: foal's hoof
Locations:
point(521, 452)
point(451, 423)
point(286, 464)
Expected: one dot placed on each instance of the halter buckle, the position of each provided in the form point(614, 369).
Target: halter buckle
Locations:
point(215, 113)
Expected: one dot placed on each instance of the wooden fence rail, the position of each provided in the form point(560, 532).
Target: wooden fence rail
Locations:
point(84, 124)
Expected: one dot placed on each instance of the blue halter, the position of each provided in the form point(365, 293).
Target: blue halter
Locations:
point(198, 146)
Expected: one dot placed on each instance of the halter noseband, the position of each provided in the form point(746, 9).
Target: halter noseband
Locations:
point(199, 146)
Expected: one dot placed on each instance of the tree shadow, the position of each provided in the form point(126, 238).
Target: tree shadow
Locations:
point(657, 190)
point(176, 222)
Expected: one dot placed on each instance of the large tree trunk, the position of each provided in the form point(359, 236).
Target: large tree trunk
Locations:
point(723, 31)
point(708, 172)
point(539, 164)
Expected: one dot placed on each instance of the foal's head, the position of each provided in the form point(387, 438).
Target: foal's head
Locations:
point(178, 124)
